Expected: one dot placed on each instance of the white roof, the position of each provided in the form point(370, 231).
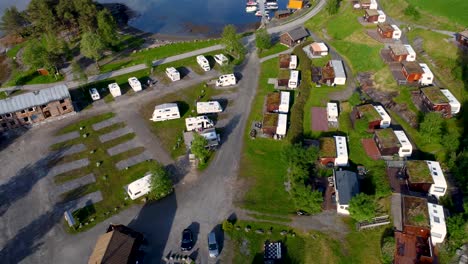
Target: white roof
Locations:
point(437, 217)
point(208, 104)
point(404, 141)
point(195, 119)
point(284, 103)
point(294, 59)
point(426, 69)
point(113, 86)
point(382, 113)
point(338, 68)
point(133, 81)
point(294, 75)
point(209, 134)
point(381, 12)
point(452, 99)
point(409, 49)
point(437, 174)
point(165, 106)
point(396, 28)
point(341, 147)
point(332, 109)
point(172, 70)
point(282, 123)
point(140, 184)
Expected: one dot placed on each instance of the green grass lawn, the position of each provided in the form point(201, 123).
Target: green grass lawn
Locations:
point(11, 53)
point(109, 180)
point(30, 77)
point(455, 10)
point(158, 53)
point(276, 48)
point(170, 132)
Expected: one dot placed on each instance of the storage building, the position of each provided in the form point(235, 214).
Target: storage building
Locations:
point(319, 49)
point(426, 177)
point(454, 103)
point(434, 100)
point(293, 37)
point(339, 72)
point(412, 71)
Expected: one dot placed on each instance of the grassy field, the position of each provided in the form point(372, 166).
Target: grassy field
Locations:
point(438, 14)
point(19, 77)
point(170, 132)
point(109, 180)
point(276, 48)
point(158, 53)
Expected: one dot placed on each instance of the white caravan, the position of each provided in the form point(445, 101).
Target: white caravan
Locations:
point(114, 89)
point(209, 107)
point(139, 187)
point(293, 79)
point(135, 84)
point(221, 59)
point(165, 112)
point(226, 80)
point(293, 62)
point(203, 62)
point(198, 123)
point(173, 74)
point(94, 94)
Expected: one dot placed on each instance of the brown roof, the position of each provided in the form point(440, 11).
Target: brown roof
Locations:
point(368, 112)
point(270, 120)
point(273, 101)
point(328, 72)
point(284, 58)
point(412, 67)
point(415, 212)
point(112, 248)
point(366, 2)
point(385, 27)
point(371, 12)
point(298, 33)
point(398, 49)
point(327, 147)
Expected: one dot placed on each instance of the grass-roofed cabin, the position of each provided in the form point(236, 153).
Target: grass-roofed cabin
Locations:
point(283, 77)
point(270, 123)
point(365, 115)
point(387, 142)
point(328, 75)
point(284, 60)
point(273, 101)
point(416, 216)
point(435, 101)
point(327, 151)
point(418, 176)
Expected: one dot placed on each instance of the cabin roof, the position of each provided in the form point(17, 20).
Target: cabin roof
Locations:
point(415, 212)
point(371, 12)
point(387, 138)
point(368, 112)
point(298, 33)
point(412, 67)
point(270, 120)
point(398, 49)
point(418, 171)
point(327, 147)
point(435, 95)
point(385, 27)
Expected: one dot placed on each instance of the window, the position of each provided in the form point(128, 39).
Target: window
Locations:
point(436, 235)
point(32, 109)
point(174, 114)
point(62, 101)
point(405, 150)
point(130, 191)
point(436, 219)
point(8, 115)
point(23, 111)
point(439, 189)
point(342, 207)
point(428, 78)
point(158, 117)
point(26, 119)
point(137, 193)
point(64, 107)
point(44, 106)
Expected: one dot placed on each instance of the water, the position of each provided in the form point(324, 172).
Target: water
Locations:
point(182, 17)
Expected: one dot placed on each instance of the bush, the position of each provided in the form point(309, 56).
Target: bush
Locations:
point(362, 207)
point(227, 226)
point(412, 12)
point(161, 184)
point(388, 248)
point(262, 39)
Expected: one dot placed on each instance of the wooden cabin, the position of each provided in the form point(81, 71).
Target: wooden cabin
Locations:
point(282, 14)
point(293, 37)
point(385, 30)
point(371, 15)
point(412, 71)
point(284, 60)
point(435, 101)
point(398, 52)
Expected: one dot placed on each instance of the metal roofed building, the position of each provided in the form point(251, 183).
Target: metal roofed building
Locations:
point(346, 187)
point(340, 75)
point(34, 107)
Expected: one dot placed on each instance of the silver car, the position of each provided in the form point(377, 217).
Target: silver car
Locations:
point(212, 245)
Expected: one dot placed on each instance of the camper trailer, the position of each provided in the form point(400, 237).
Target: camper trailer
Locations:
point(293, 62)
point(221, 59)
point(114, 89)
point(94, 94)
point(454, 103)
point(226, 80)
point(396, 32)
point(210, 107)
point(428, 77)
point(165, 112)
point(198, 123)
point(406, 149)
point(293, 79)
point(382, 17)
point(411, 53)
point(203, 62)
point(135, 84)
point(139, 187)
point(173, 74)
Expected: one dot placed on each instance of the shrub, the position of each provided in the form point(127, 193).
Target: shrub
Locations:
point(412, 12)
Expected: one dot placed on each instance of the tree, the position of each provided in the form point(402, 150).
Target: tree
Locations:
point(332, 6)
point(460, 169)
point(362, 207)
point(198, 148)
point(161, 184)
point(42, 17)
point(87, 13)
point(262, 39)
point(78, 72)
point(36, 55)
point(307, 200)
point(431, 127)
point(298, 156)
point(411, 11)
point(232, 41)
point(13, 21)
point(107, 28)
point(91, 46)
point(457, 228)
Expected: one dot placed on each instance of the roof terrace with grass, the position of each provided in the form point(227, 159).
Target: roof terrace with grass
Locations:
point(270, 120)
point(418, 172)
point(273, 101)
point(284, 60)
point(327, 147)
point(328, 72)
point(387, 138)
point(368, 112)
point(435, 95)
point(415, 212)
point(283, 74)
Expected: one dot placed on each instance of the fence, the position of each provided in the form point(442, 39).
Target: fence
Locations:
point(377, 221)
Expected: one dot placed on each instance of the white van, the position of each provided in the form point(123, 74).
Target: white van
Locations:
point(203, 62)
point(94, 94)
point(226, 80)
point(173, 74)
point(293, 79)
point(293, 62)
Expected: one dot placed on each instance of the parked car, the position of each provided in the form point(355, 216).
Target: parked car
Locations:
point(187, 240)
point(212, 245)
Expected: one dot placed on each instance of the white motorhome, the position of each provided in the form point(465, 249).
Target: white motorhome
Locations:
point(341, 151)
point(338, 69)
point(165, 112)
point(114, 89)
point(386, 119)
point(209, 107)
point(332, 112)
point(396, 32)
point(411, 53)
point(139, 187)
point(135, 84)
point(293, 82)
point(203, 62)
point(284, 103)
point(454, 103)
point(173, 74)
point(427, 77)
point(439, 187)
point(94, 94)
point(373, 4)
point(293, 62)
point(406, 149)
point(382, 17)
point(221, 59)
point(282, 124)
point(197, 123)
point(437, 223)
point(226, 80)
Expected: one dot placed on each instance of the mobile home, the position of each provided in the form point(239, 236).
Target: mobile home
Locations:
point(396, 32)
point(406, 149)
point(209, 107)
point(454, 103)
point(284, 103)
point(221, 59)
point(114, 89)
point(135, 84)
point(139, 187)
point(165, 112)
point(197, 123)
point(282, 124)
point(203, 62)
point(94, 94)
point(340, 75)
point(386, 120)
point(332, 112)
point(173, 74)
point(226, 80)
point(293, 62)
point(341, 151)
point(427, 77)
point(411, 53)
point(293, 79)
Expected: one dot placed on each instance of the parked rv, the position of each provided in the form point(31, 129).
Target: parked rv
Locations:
point(293, 79)
point(197, 123)
point(203, 62)
point(226, 80)
point(209, 107)
point(221, 59)
point(293, 62)
point(165, 112)
point(139, 187)
point(173, 74)
point(135, 84)
point(94, 94)
point(114, 89)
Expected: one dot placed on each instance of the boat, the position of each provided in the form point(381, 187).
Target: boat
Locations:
point(251, 3)
point(250, 9)
point(259, 13)
point(271, 6)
